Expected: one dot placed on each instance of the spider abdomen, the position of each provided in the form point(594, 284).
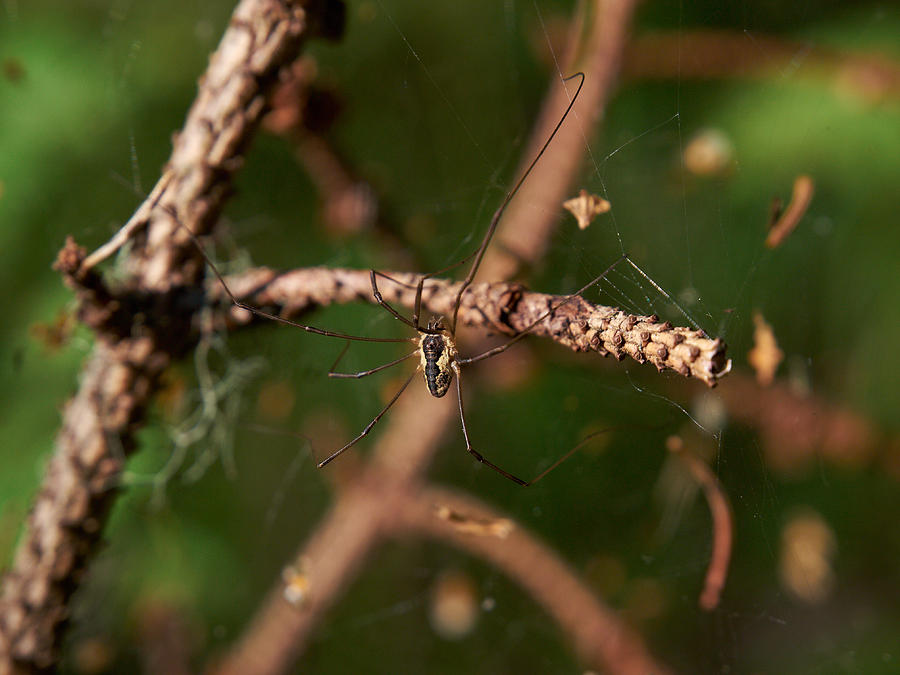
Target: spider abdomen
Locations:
point(438, 353)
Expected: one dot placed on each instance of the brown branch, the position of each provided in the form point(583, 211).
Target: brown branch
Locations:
point(577, 324)
point(601, 639)
point(123, 371)
point(303, 114)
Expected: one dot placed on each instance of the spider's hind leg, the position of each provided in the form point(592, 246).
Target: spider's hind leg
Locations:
point(477, 455)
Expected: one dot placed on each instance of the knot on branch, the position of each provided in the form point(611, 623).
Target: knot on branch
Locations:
point(141, 324)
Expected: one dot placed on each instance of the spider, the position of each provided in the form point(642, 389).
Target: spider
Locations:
point(439, 359)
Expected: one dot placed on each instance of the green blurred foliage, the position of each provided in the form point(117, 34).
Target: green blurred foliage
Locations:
point(437, 101)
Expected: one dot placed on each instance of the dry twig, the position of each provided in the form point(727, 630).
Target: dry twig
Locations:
point(122, 373)
point(796, 428)
point(723, 522)
point(600, 638)
point(499, 307)
point(710, 54)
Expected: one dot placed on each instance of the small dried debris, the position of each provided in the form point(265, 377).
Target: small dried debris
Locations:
point(496, 527)
point(585, 207)
point(782, 223)
point(296, 583)
point(54, 334)
point(765, 356)
point(275, 400)
point(13, 70)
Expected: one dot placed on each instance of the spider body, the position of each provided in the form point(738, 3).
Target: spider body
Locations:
point(437, 356)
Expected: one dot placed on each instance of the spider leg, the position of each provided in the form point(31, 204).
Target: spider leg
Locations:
point(381, 301)
point(364, 373)
point(515, 479)
point(275, 317)
point(371, 424)
point(584, 441)
point(498, 214)
point(393, 280)
point(477, 455)
point(419, 286)
point(525, 331)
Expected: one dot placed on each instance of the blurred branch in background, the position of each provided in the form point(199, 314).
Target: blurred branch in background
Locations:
point(719, 54)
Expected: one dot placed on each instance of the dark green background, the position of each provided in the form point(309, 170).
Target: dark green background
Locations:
point(86, 128)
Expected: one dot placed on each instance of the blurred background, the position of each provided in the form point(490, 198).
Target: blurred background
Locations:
point(717, 112)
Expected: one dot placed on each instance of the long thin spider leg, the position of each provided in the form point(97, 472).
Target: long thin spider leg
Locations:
point(381, 301)
point(364, 373)
point(584, 441)
point(498, 214)
point(502, 348)
point(371, 424)
point(417, 306)
point(477, 455)
point(275, 317)
point(426, 277)
point(417, 310)
point(435, 273)
point(393, 280)
point(587, 439)
point(515, 479)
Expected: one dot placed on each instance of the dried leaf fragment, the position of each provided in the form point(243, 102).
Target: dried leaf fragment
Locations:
point(765, 355)
point(785, 221)
point(498, 527)
point(585, 207)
